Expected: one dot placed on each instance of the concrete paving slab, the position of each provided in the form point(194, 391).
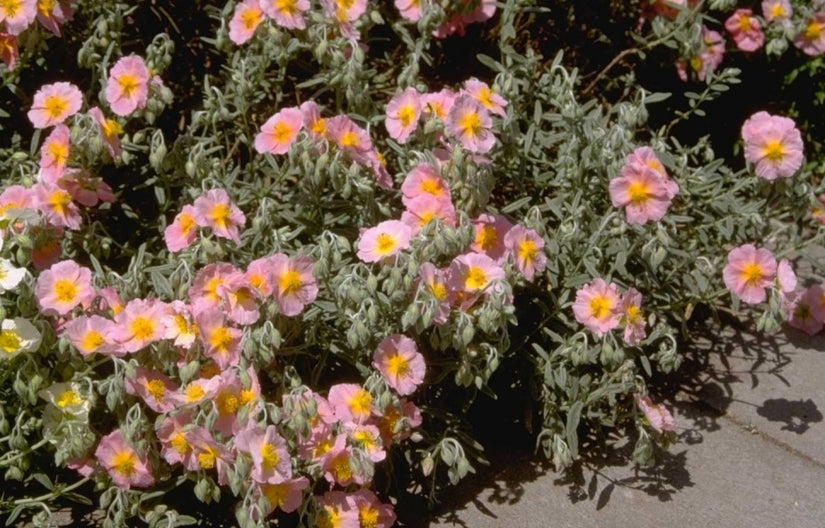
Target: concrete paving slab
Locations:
point(726, 476)
point(773, 384)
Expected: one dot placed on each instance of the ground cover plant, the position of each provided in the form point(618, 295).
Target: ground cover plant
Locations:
point(271, 253)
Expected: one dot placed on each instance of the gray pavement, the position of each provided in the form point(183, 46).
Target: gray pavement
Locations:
point(751, 452)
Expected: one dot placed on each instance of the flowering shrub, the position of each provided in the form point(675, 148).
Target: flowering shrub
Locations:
point(284, 271)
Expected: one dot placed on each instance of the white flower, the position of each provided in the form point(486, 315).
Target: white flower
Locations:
point(17, 335)
point(10, 276)
point(65, 399)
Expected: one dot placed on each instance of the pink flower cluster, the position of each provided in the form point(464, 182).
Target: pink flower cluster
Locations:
point(465, 115)
point(773, 145)
point(751, 271)
point(282, 129)
point(249, 14)
point(644, 188)
point(707, 60)
point(600, 308)
point(466, 12)
point(18, 15)
point(214, 210)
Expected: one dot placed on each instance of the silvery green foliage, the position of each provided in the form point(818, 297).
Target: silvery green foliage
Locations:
point(558, 148)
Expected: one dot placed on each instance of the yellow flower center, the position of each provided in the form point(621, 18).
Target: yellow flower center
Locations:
point(438, 290)
point(58, 200)
point(68, 397)
point(385, 244)
point(432, 186)
point(813, 30)
point(290, 282)
point(220, 214)
point(65, 291)
point(220, 339)
point(774, 150)
point(600, 307)
point(368, 517)
point(778, 11)
point(9, 341)
point(406, 115)
point(124, 463)
point(360, 402)
point(55, 105)
point(250, 18)
point(143, 328)
point(342, 469)
point(227, 403)
point(207, 458)
point(257, 281)
point(156, 389)
point(319, 127)
point(186, 223)
point(275, 493)
point(194, 392)
point(179, 443)
point(487, 237)
point(752, 273)
point(269, 455)
point(476, 279)
point(349, 139)
point(638, 192)
point(58, 151)
point(111, 128)
point(696, 64)
point(745, 23)
point(128, 83)
point(633, 314)
point(288, 7)
point(397, 365)
point(483, 97)
point(211, 288)
point(527, 250)
point(470, 124)
point(281, 132)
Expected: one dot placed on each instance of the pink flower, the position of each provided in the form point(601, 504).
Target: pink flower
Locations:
point(745, 30)
point(708, 59)
point(175, 449)
point(425, 208)
point(527, 249)
point(409, 9)
point(470, 123)
point(63, 287)
point(316, 125)
point(245, 20)
point(773, 144)
point(804, 310)
point(748, 272)
point(634, 321)
point(259, 274)
point(403, 112)
point(197, 391)
point(371, 511)
point(337, 465)
point(54, 103)
point(785, 276)
point(337, 510)
point(18, 15)
point(811, 40)
point(490, 231)
point(469, 277)
point(368, 439)
point(127, 87)
point(347, 135)
point(52, 13)
point(481, 92)
point(57, 206)
point(139, 324)
point(153, 387)
point(657, 414)
point(383, 241)
point(434, 282)
point(400, 362)
point(598, 306)
point(424, 179)
point(214, 209)
point(85, 188)
point(209, 454)
point(279, 132)
point(776, 10)
point(351, 402)
point(293, 283)
point(90, 334)
point(439, 104)
point(110, 130)
point(222, 343)
point(9, 51)
point(211, 284)
point(397, 420)
point(125, 466)
point(180, 325)
point(642, 193)
point(286, 13)
point(286, 496)
point(182, 231)
point(54, 154)
point(271, 461)
point(344, 10)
